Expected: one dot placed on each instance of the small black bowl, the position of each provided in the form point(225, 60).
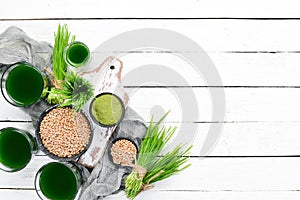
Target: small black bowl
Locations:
point(105, 125)
point(111, 142)
point(53, 156)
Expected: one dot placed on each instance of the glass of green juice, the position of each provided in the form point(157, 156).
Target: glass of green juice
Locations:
point(77, 54)
point(22, 84)
point(58, 181)
point(16, 149)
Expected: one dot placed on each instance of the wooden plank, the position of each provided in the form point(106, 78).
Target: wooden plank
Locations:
point(9, 112)
point(242, 104)
point(21, 125)
point(25, 177)
point(253, 139)
point(243, 139)
point(236, 139)
point(235, 69)
point(210, 174)
point(191, 195)
point(250, 174)
point(213, 35)
point(18, 194)
point(110, 82)
point(215, 195)
point(155, 8)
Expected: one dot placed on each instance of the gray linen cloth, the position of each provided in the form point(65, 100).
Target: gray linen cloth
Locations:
point(106, 178)
point(16, 46)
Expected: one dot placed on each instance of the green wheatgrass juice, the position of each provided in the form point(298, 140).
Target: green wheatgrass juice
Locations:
point(15, 149)
point(58, 182)
point(77, 54)
point(107, 109)
point(24, 85)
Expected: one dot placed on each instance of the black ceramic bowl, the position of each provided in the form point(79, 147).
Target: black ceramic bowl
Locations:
point(51, 155)
point(99, 123)
point(111, 142)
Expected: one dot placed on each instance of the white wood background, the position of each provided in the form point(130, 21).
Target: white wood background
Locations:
point(255, 46)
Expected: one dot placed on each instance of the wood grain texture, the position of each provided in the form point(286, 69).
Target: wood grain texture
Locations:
point(24, 178)
point(242, 59)
point(210, 174)
point(242, 104)
point(104, 80)
point(19, 194)
point(215, 195)
point(257, 156)
point(191, 195)
point(213, 35)
point(155, 8)
point(247, 139)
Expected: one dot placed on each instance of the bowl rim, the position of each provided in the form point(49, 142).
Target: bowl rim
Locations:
point(70, 165)
point(72, 64)
point(45, 150)
point(2, 84)
point(31, 141)
point(112, 141)
point(105, 125)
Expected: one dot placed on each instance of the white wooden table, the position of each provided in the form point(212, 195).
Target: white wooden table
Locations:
point(257, 57)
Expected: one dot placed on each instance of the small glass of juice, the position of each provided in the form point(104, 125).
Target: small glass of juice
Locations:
point(58, 181)
point(16, 149)
point(77, 54)
point(22, 84)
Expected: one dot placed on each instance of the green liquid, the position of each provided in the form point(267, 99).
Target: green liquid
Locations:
point(58, 182)
point(77, 54)
point(107, 109)
point(24, 85)
point(15, 149)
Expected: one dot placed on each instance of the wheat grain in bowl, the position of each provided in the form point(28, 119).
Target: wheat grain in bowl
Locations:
point(123, 152)
point(64, 132)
